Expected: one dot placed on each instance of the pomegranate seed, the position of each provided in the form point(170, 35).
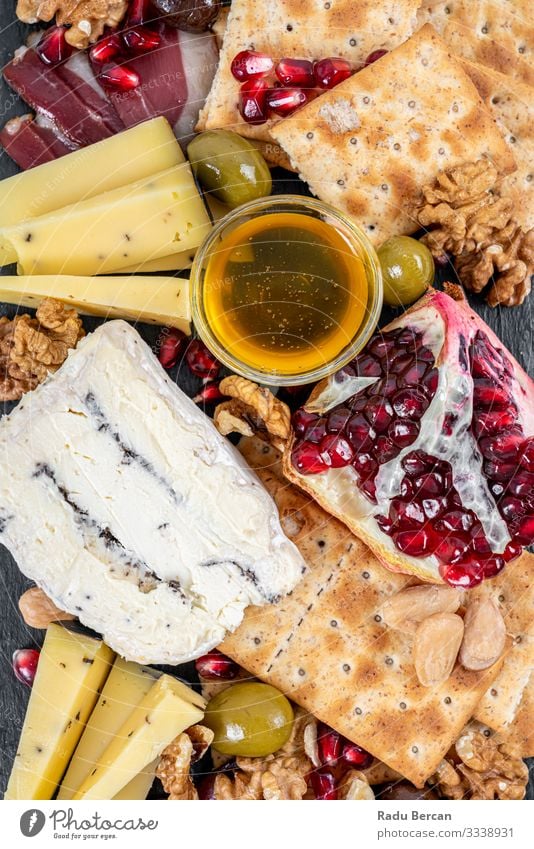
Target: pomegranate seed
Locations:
point(338, 449)
point(378, 413)
point(455, 520)
point(512, 552)
point(316, 431)
point(385, 524)
point(206, 788)
point(249, 65)
point(524, 531)
point(141, 39)
point(301, 420)
point(527, 454)
point(384, 387)
point(406, 515)
point(295, 72)
point(430, 484)
point(451, 548)
point(365, 465)
point(169, 346)
point(201, 361)
point(380, 346)
point(488, 394)
point(414, 374)
point(417, 463)
point(252, 101)
point(356, 756)
point(330, 72)
point(403, 432)
point(499, 469)
point(416, 543)
point(510, 507)
point(430, 382)
point(360, 433)
point(330, 744)
point(106, 49)
point(367, 366)
point(503, 446)
point(409, 403)
point(308, 460)
point(337, 419)
point(374, 57)
point(25, 665)
point(465, 575)
point(493, 565)
point(368, 487)
point(434, 507)
point(118, 77)
point(138, 11)
point(400, 362)
point(284, 101)
point(522, 485)
point(209, 394)
point(384, 449)
point(323, 784)
point(215, 666)
point(53, 47)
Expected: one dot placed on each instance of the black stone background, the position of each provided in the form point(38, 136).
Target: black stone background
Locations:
point(514, 326)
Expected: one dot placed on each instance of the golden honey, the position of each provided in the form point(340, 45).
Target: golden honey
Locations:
point(285, 292)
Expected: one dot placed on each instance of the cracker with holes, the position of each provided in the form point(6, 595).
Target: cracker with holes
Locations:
point(327, 647)
point(302, 29)
point(369, 145)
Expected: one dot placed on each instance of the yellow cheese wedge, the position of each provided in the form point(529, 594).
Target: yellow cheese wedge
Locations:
point(122, 159)
point(175, 262)
point(126, 686)
point(155, 300)
point(72, 668)
point(154, 217)
point(168, 709)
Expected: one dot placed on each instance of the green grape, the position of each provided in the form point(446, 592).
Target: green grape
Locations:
point(229, 167)
point(407, 270)
point(249, 719)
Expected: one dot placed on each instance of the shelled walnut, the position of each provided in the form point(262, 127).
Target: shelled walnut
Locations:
point(252, 410)
point(85, 19)
point(31, 348)
point(472, 221)
point(174, 768)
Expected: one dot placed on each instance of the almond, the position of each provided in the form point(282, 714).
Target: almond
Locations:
point(485, 635)
point(437, 641)
point(406, 609)
point(38, 611)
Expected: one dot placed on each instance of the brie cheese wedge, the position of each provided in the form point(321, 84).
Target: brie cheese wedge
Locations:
point(122, 501)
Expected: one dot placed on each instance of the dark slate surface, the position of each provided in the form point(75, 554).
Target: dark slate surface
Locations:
point(513, 326)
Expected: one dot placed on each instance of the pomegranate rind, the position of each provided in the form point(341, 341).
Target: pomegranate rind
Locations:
point(453, 309)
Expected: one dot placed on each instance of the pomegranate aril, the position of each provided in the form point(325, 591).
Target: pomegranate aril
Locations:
point(169, 347)
point(329, 743)
point(374, 57)
point(360, 433)
point(384, 387)
point(487, 394)
point(403, 432)
point(250, 65)
point(25, 665)
point(455, 520)
point(493, 565)
point(416, 543)
point(365, 465)
point(512, 552)
point(141, 39)
point(356, 756)
point(522, 485)
point(215, 666)
point(451, 548)
point(284, 101)
point(434, 507)
point(430, 484)
point(510, 507)
point(253, 101)
point(414, 374)
point(384, 450)
point(430, 382)
point(337, 419)
point(400, 362)
point(295, 72)
point(478, 540)
point(385, 524)
point(417, 462)
point(368, 487)
point(118, 77)
point(338, 449)
point(409, 403)
point(209, 394)
point(406, 515)
point(201, 361)
point(323, 784)
point(380, 346)
point(106, 49)
point(53, 48)
point(378, 413)
point(464, 575)
point(527, 455)
point(316, 431)
point(331, 71)
point(138, 11)
point(308, 460)
point(499, 469)
point(503, 446)
point(366, 366)
point(523, 532)
point(301, 420)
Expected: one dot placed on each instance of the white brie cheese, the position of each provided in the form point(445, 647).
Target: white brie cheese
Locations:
point(122, 501)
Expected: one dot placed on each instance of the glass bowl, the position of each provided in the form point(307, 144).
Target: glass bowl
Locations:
point(201, 287)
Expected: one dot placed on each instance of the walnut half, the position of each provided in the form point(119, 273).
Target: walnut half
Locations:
point(468, 218)
point(85, 19)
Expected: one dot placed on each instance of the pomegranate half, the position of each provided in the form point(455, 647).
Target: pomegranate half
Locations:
point(424, 445)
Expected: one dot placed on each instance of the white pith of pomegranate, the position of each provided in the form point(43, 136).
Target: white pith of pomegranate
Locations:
point(424, 445)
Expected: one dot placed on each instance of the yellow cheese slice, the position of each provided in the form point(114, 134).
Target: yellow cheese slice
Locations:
point(155, 300)
point(126, 686)
point(72, 668)
point(122, 159)
point(168, 709)
point(175, 262)
point(155, 217)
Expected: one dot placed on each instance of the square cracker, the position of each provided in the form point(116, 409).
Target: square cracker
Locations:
point(513, 592)
point(370, 145)
point(496, 33)
point(326, 646)
point(511, 102)
point(309, 29)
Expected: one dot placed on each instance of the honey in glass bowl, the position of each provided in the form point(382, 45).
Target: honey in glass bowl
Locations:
point(282, 294)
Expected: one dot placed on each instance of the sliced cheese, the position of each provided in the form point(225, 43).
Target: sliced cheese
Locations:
point(139, 787)
point(155, 217)
point(168, 709)
point(72, 669)
point(117, 161)
point(126, 686)
point(155, 300)
point(175, 262)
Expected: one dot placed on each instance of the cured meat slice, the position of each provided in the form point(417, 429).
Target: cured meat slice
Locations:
point(29, 143)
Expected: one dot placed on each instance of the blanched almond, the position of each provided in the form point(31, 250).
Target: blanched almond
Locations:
point(484, 636)
point(437, 641)
point(38, 611)
point(406, 609)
